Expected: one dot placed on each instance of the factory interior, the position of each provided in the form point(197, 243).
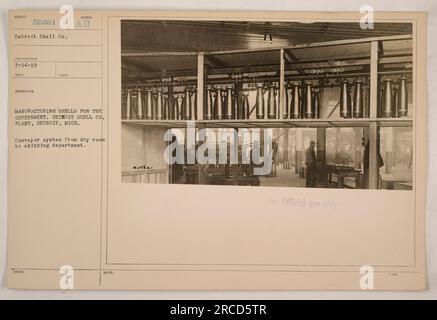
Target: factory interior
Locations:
point(347, 89)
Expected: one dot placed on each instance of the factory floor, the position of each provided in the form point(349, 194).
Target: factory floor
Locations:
point(288, 178)
point(284, 178)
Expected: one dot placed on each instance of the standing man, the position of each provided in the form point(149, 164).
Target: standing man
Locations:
point(310, 162)
point(366, 159)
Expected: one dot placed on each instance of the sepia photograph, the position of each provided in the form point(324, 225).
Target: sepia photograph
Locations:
point(241, 152)
point(274, 104)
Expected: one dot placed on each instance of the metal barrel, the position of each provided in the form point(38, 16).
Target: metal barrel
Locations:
point(308, 101)
point(149, 104)
point(387, 102)
point(271, 103)
point(140, 113)
point(316, 105)
point(218, 105)
point(209, 104)
point(187, 105)
point(229, 104)
point(358, 100)
point(259, 102)
point(128, 105)
point(403, 98)
point(159, 105)
point(295, 102)
point(345, 101)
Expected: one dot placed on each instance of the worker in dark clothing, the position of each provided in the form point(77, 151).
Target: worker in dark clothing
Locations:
point(366, 153)
point(310, 162)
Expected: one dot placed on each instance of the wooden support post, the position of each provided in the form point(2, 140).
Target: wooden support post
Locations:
point(281, 86)
point(373, 79)
point(200, 85)
point(321, 156)
point(200, 107)
point(285, 148)
point(358, 148)
point(389, 148)
point(299, 150)
point(373, 127)
point(373, 156)
point(321, 145)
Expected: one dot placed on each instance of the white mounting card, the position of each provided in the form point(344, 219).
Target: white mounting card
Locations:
point(217, 150)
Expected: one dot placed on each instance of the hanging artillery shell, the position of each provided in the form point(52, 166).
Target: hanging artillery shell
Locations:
point(302, 100)
point(295, 102)
point(239, 112)
point(403, 98)
point(308, 102)
point(140, 114)
point(245, 106)
point(149, 104)
point(218, 105)
point(229, 104)
point(358, 100)
point(236, 106)
point(166, 111)
point(170, 107)
point(242, 108)
point(179, 101)
point(286, 111)
point(159, 105)
point(128, 105)
point(395, 102)
point(209, 104)
point(193, 108)
point(316, 105)
point(345, 101)
point(271, 103)
point(260, 102)
point(187, 105)
point(387, 102)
